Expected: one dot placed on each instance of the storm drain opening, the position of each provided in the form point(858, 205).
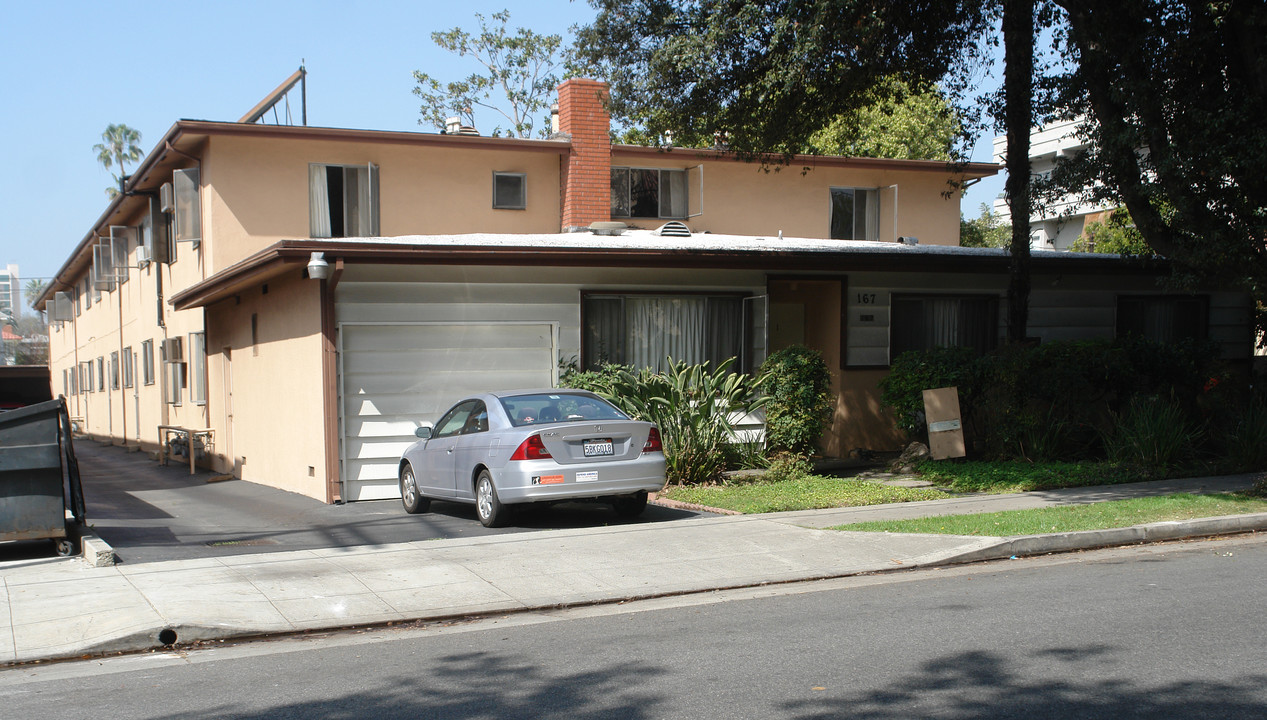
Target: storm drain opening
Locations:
point(167, 636)
point(247, 542)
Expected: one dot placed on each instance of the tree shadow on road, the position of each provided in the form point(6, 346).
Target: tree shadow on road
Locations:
point(980, 684)
point(476, 685)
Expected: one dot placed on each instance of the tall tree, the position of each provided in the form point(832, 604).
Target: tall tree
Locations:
point(32, 290)
point(1018, 115)
point(901, 121)
point(773, 74)
point(121, 144)
point(1175, 94)
point(521, 65)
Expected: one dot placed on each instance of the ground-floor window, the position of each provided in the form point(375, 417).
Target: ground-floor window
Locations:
point(923, 322)
point(198, 368)
point(645, 330)
point(1163, 318)
point(128, 362)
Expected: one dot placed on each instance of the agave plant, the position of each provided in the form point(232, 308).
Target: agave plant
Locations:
point(694, 407)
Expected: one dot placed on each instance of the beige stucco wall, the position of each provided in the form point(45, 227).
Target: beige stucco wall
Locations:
point(275, 391)
point(747, 199)
point(120, 321)
point(257, 191)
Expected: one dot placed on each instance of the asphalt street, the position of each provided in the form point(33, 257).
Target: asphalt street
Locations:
point(1158, 631)
point(148, 512)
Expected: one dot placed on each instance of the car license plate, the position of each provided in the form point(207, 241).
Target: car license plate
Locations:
point(596, 448)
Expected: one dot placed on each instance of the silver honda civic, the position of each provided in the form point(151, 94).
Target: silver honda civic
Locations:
point(502, 449)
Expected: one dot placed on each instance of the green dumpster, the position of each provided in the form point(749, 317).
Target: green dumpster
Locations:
point(39, 476)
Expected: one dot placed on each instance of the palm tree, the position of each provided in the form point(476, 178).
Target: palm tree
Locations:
point(32, 290)
point(122, 144)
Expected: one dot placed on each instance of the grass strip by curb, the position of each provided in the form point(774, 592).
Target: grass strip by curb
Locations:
point(1071, 518)
point(808, 493)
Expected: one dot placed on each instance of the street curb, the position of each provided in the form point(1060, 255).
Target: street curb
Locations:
point(94, 551)
point(1027, 545)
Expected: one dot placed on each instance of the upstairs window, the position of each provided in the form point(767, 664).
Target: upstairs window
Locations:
point(855, 213)
point(188, 215)
point(923, 322)
point(343, 200)
point(649, 193)
point(510, 191)
point(1163, 318)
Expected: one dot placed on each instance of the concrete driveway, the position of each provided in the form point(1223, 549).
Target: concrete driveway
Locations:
point(148, 512)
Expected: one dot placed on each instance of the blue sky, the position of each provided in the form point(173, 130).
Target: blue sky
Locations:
point(70, 69)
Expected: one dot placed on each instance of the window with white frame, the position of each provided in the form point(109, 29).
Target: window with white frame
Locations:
point(174, 373)
point(198, 368)
point(648, 193)
point(343, 200)
point(645, 329)
point(101, 374)
point(114, 370)
point(188, 216)
point(128, 362)
point(147, 362)
point(510, 191)
point(855, 213)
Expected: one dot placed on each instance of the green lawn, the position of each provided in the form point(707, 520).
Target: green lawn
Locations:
point(1020, 476)
point(1068, 518)
point(808, 493)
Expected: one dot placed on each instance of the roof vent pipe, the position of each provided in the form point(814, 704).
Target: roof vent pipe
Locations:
point(908, 240)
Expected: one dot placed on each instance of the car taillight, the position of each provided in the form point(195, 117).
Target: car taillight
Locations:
point(653, 442)
point(531, 449)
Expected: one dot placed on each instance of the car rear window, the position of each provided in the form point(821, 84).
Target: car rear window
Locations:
point(558, 407)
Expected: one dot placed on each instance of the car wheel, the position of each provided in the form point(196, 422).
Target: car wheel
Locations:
point(630, 506)
point(490, 510)
point(413, 500)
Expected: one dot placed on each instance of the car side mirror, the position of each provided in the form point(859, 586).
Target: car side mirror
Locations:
point(423, 432)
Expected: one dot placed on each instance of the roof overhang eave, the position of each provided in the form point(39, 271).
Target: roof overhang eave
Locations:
point(290, 255)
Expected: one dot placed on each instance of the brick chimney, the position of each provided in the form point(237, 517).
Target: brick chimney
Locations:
point(587, 169)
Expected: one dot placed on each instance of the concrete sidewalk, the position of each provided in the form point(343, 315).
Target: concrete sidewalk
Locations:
point(63, 608)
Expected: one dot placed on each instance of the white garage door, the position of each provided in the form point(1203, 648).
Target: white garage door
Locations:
point(394, 377)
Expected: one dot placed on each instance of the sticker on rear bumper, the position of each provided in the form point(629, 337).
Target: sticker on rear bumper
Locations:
point(591, 476)
point(547, 479)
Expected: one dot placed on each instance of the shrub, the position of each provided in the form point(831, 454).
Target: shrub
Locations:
point(798, 399)
point(911, 373)
point(691, 405)
point(1153, 432)
point(1243, 439)
point(1056, 401)
point(788, 466)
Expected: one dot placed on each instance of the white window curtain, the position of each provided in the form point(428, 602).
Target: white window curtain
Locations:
point(665, 327)
point(943, 322)
point(672, 193)
point(318, 202)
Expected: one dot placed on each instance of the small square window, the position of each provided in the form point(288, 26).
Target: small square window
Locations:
point(509, 191)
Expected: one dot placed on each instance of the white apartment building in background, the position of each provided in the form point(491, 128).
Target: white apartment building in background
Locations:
point(10, 293)
point(1058, 226)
